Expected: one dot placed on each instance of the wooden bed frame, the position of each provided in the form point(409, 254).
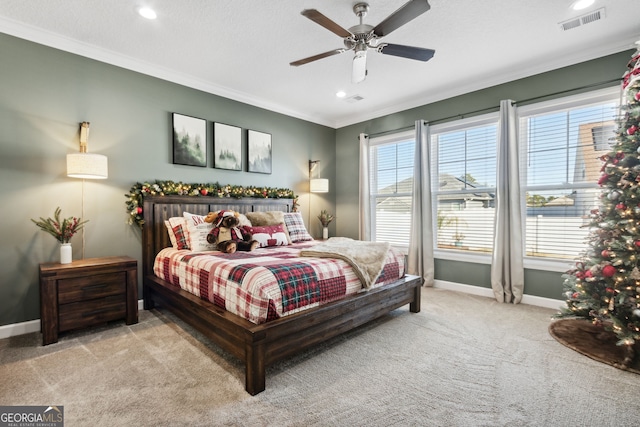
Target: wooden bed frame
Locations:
point(258, 345)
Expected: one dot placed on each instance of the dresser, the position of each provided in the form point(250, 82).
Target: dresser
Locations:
point(87, 292)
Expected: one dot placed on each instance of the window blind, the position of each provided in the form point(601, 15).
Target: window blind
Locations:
point(464, 183)
point(391, 182)
point(561, 146)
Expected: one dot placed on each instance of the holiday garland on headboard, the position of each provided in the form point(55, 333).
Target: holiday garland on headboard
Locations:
point(165, 188)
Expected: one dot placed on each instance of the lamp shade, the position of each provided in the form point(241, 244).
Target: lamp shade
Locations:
point(319, 185)
point(87, 165)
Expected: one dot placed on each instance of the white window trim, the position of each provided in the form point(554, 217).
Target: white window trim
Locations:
point(568, 102)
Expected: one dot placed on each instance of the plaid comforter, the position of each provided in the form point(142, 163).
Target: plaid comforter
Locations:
point(267, 283)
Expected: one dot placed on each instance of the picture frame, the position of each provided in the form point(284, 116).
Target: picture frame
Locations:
point(189, 140)
point(259, 152)
point(227, 147)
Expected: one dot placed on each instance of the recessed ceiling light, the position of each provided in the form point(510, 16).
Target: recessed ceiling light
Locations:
point(341, 94)
point(582, 4)
point(147, 12)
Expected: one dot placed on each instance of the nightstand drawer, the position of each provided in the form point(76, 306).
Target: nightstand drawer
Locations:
point(91, 287)
point(85, 313)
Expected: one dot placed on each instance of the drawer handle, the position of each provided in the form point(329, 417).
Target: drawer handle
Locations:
point(94, 312)
point(92, 287)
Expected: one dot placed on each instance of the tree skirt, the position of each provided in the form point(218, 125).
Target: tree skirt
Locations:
point(593, 341)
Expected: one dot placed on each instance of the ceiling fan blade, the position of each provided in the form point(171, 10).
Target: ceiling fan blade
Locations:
point(397, 19)
point(316, 57)
point(417, 53)
point(327, 23)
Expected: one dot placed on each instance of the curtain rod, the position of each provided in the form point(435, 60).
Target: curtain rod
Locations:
point(496, 108)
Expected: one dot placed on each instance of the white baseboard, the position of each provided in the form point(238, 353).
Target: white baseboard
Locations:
point(14, 329)
point(30, 326)
point(487, 292)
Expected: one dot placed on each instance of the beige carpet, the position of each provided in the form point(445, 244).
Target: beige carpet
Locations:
point(463, 361)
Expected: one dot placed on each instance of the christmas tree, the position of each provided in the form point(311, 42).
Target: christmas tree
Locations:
point(604, 286)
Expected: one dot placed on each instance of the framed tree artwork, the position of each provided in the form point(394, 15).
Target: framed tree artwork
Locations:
point(259, 152)
point(189, 140)
point(227, 147)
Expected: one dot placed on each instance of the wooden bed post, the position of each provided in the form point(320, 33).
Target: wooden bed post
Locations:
point(255, 370)
point(414, 306)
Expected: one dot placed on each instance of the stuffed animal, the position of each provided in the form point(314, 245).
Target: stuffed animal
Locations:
point(226, 233)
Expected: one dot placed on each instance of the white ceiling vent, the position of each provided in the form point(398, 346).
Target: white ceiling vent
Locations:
point(585, 19)
point(354, 98)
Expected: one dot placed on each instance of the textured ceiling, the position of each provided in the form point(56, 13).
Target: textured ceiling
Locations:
point(241, 49)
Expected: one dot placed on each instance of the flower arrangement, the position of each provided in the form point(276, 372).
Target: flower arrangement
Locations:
point(63, 230)
point(325, 218)
point(164, 188)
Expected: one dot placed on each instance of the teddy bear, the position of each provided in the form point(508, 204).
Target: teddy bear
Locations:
point(226, 233)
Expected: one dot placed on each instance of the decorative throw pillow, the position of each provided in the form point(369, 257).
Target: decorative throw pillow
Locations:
point(268, 218)
point(295, 226)
point(268, 235)
point(178, 232)
point(198, 230)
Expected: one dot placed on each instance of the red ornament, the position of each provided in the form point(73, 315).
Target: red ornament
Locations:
point(608, 271)
point(621, 206)
point(575, 295)
point(139, 210)
point(603, 179)
point(204, 191)
point(605, 253)
point(637, 243)
point(637, 96)
point(632, 130)
point(588, 273)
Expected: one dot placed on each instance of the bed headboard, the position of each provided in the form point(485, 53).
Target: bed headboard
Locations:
point(157, 209)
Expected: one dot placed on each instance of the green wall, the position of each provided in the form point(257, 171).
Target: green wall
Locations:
point(538, 283)
point(45, 94)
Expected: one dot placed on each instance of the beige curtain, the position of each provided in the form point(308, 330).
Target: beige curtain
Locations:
point(364, 231)
point(507, 270)
point(420, 259)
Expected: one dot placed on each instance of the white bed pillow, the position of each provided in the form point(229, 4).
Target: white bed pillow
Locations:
point(296, 228)
point(198, 230)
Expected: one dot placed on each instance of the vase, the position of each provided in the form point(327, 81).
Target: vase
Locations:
point(325, 233)
point(65, 253)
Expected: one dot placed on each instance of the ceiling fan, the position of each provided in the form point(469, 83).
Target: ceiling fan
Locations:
point(363, 37)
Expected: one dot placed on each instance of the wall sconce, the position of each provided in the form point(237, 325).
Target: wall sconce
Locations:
point(317, 185)
point(84, 164)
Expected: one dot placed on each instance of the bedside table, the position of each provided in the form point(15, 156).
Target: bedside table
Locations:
point(87, 292)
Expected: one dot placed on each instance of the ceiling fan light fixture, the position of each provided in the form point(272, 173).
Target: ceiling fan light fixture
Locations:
point(359, 70)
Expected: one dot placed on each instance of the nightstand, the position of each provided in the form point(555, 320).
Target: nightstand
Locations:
point(87, 292)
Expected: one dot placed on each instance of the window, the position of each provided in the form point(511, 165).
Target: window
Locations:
point(464, 183)
point(561, 142)
point(391, 182)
